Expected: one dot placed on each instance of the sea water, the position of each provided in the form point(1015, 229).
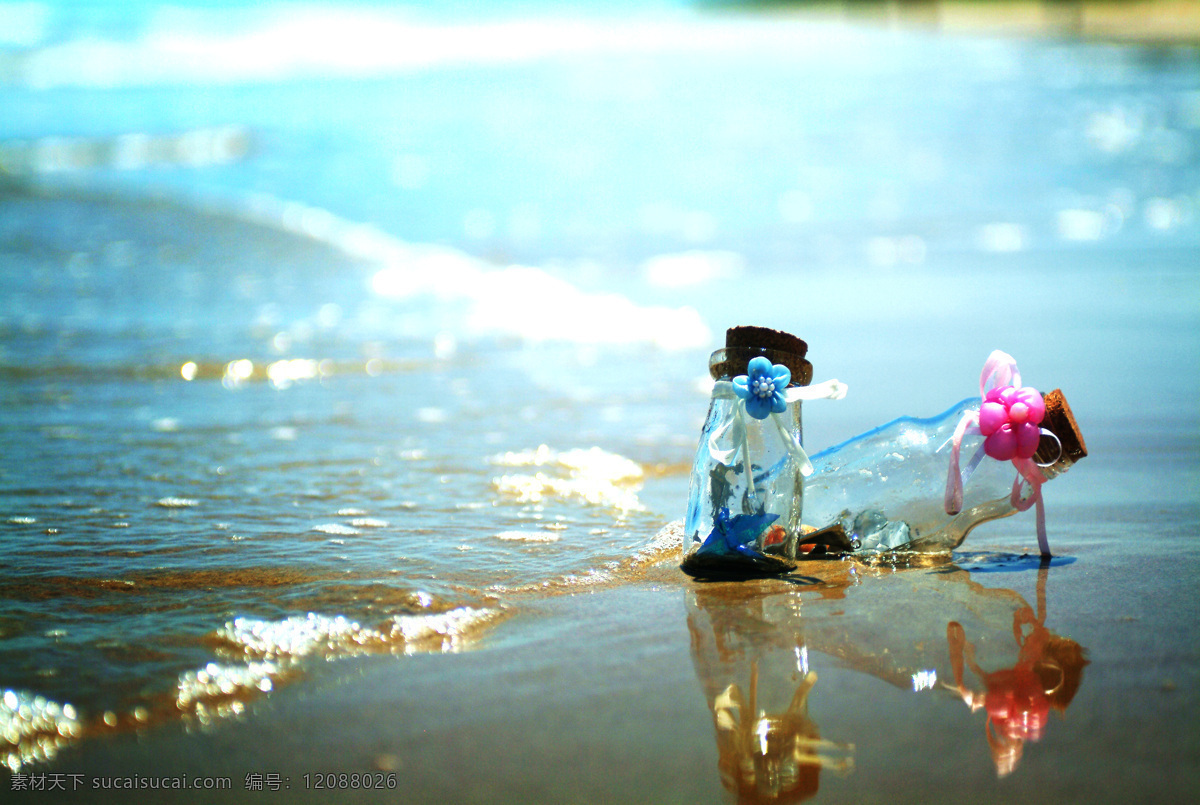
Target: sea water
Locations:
point(344, 329)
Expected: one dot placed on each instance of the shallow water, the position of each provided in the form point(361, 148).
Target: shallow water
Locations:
point(350, 353)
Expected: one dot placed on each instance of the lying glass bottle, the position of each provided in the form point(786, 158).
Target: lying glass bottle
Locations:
point(894, 488)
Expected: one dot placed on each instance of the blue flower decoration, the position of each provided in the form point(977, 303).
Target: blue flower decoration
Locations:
point(762, 387)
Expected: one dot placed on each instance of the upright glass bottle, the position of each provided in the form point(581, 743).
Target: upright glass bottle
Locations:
point(746, 479)
point(886, 489)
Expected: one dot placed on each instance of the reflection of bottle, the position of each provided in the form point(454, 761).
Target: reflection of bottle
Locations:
point(927, 650)
point(750, 656)
point(886, 489)
point(1018, 699)
point(744, 504)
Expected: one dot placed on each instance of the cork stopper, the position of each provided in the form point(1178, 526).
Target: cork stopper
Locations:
point(1061, 422)
point(765, 338)
point(747, 342)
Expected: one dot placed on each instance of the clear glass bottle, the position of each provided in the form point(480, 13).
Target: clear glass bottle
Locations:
point(885, 489)
point(764, 501)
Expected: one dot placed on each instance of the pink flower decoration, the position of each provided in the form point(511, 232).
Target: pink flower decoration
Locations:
point(1010, 419)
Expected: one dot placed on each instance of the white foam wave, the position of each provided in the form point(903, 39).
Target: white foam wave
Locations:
point(177, 503)
point(442, 632)
point(487, 300)
point(322, 635)
point(295, 637)
point(540, 487)
point(218, 691)
point(594, 476)
point(527, 536)
point(33, 728)
point(594, 461)
point(534, 305)
point(336, 529)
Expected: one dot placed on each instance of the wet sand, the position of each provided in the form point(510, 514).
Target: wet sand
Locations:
point(605, 696)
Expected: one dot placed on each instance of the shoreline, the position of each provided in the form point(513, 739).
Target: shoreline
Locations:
point(1162, 23)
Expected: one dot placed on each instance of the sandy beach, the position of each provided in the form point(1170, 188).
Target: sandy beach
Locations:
point(600, 697)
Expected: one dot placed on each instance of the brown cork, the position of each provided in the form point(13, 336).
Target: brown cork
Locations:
point(744, 343)
point(765, 338)
point(1061, 422)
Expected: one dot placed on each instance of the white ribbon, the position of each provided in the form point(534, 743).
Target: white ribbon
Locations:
point(736, 427)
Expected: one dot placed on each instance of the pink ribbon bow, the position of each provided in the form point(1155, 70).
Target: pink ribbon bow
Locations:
point(1009, 420)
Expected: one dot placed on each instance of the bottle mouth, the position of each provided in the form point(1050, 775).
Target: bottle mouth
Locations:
point(1068, 447)
point(729, 362)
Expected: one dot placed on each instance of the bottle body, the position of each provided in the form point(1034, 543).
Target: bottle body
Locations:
point(886, 488)
point(743, 468)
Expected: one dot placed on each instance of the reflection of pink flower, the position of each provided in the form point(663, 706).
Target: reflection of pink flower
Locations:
point(1017, 704)
point(1009, 419)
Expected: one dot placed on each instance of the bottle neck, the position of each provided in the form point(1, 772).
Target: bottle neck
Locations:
point(729, 362)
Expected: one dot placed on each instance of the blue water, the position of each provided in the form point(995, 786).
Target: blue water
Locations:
point(290, 297)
